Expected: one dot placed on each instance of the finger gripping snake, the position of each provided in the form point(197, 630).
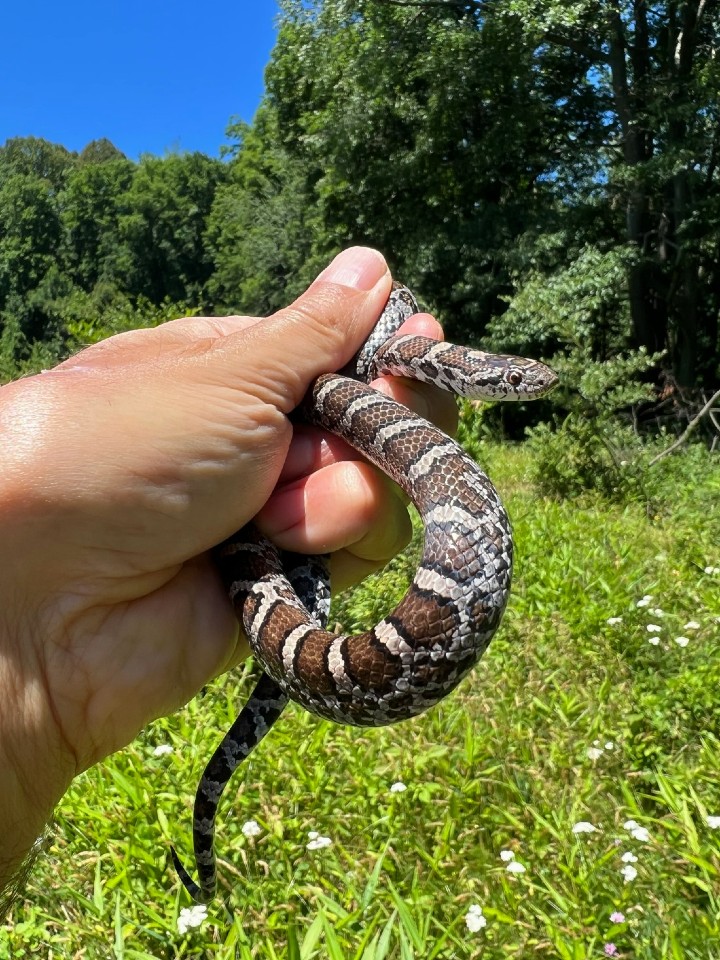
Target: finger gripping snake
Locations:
point(420, 652)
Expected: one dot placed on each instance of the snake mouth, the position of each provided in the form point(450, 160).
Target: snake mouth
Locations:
point(545, 380)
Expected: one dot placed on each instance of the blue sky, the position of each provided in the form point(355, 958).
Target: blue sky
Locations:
point(151, 75)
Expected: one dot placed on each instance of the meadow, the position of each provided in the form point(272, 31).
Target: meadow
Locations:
point(564, 802)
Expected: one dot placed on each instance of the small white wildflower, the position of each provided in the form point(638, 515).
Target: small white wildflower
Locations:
point(692, 625)
point(713, 822)
point(506, 856)
point(191, 917)
point(711, 570)
point(596, 743)
point(630, 824)
point(682, 641)
point(474, 919)
point(162, 748)
point(641, 834)
point(613, 621)
point(645, 602)
point(629, 873)
point(594, 753)
point(653, 628)
point(398, 787)
point(629, 857)
point(515, 867)
point(655, 641)
point(251, 828)
point(316, 841)
point(657, 612)
point(583, 826)
point(609, 745)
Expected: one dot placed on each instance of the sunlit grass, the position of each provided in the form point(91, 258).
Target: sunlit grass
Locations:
point(568, 719)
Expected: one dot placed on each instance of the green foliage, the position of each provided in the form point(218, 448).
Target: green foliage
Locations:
point(37, 159)
point(92, 204)
point(416, 136)
point(30, 233)
point(501, 765)
point(263, 226)
point(91, 318)
point(508, 152)
point(162, 226)
point(93, 244)
point(578, 457)
point(577, 318)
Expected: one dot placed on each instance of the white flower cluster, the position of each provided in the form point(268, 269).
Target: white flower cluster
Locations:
point(655, 629)
point(474, 919)
point(513, 865)
point(596, 750)
point(316, 842)
point(191, 917)
point(628, 871)
point(584, 826)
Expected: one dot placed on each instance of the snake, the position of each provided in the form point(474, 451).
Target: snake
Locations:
point(419, 653)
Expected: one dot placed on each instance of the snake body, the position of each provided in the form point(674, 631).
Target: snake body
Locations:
point(421, 651)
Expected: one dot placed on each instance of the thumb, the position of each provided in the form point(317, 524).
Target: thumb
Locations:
point(325, 326)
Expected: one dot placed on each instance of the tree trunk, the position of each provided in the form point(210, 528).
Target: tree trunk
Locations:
point(649, 321)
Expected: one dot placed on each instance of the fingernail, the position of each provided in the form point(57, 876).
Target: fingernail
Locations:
point(358, 267)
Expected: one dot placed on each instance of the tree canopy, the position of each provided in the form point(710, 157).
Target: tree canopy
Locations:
point(539, 172)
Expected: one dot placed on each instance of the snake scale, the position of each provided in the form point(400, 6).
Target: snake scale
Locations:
point(420, 652)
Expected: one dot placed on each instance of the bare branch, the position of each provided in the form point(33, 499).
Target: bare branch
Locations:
point(582, 49)
point(689, 429)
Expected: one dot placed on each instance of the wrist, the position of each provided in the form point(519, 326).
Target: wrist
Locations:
point(36, 767)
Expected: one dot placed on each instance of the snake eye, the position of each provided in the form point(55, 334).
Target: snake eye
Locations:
point(515, 378)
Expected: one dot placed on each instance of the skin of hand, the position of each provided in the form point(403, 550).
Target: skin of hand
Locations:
point(121, 468)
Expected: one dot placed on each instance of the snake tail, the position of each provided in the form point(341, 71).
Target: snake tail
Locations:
point(265, 705)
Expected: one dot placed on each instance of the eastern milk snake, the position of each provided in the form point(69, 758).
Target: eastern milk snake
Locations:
point(421, 651)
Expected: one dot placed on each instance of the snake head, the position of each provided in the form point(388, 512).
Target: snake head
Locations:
point(523, 379)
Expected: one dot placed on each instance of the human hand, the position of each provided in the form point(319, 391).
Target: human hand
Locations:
point(121, 468)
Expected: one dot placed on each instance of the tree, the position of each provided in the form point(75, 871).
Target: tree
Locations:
point(100, 151)
point(91, 205)
point(653, 94)
point(40, 159)
point(458, 134)
point(427, 135)
point(162, 223)
point(264, 231)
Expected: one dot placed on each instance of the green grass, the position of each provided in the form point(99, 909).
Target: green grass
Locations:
point(501, 765)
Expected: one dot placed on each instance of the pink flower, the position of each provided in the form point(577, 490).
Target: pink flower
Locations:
point(617, 917)
point(611, 950)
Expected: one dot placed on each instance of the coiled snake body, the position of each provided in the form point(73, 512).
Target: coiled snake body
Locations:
point(421, 651)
